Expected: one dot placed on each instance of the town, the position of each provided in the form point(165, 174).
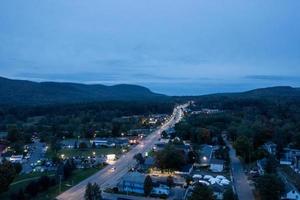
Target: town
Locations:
point(149, 100)
point(159, 160)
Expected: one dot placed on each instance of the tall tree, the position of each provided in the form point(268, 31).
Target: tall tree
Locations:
point(148, 185)
point(202, 192)
point(139, 158)
point(270, 187)
point(229, 195)
point(7, 175)
point(170, 158)
point(92, 192)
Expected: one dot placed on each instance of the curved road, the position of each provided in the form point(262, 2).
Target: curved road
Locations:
point(106, 177)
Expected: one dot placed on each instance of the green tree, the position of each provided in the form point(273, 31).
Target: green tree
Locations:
point(228, 194)
point(7, 175)
point(92, 192)
point(13, 134)
point(164, 135)
point(139, 158)
point(271, 165)
point(18, 167)
point(243, 147)
point(270, 187)
point(148, 185)
point(170, 158)
point(202, 192)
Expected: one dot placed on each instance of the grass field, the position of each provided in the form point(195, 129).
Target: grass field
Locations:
point(78, 176)
point(21, 181)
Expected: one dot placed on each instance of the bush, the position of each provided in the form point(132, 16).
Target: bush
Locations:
point(18, 167)
point(32, 188)
point(82, 145)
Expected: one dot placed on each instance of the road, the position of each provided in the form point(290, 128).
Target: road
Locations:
point(240, 181)
point(36, 154)
point(106, 177)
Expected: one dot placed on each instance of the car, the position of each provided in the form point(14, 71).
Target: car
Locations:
point(197, 176)
point(113, 169)
point(207, 177)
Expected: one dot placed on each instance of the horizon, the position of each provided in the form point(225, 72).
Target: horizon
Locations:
point(171, 47)
point(209, 93)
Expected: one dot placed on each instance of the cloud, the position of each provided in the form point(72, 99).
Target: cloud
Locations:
point(274, 77)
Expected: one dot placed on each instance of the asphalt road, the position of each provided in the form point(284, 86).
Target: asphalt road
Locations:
point(36, 154)
point(106, 177)
point(240, 181)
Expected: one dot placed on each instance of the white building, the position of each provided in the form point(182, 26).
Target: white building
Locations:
point(292, 195)
point(16, 159)
point(216, 165)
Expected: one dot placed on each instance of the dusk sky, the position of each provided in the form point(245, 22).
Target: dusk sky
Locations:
point(176, 47)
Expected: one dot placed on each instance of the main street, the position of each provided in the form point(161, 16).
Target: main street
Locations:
point(107, 177)
point(241, 184)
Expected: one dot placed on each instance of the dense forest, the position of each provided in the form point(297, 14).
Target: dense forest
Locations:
point(250, 119)
point(54, 122)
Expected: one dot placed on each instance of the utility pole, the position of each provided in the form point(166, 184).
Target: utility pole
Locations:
point(60, 183)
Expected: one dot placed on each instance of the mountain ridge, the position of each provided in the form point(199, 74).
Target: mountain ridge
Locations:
point(24, 92)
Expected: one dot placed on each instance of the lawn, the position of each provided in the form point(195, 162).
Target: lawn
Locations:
point(78, 176)
point(21, 181)
point(85, 152)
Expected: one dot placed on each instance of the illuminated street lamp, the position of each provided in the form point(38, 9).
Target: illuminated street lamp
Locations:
point(94, 153)
point(62, 156)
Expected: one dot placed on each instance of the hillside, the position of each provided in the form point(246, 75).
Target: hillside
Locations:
point(19, 92)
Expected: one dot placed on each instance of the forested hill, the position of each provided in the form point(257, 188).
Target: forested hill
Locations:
point(269, 93)
point(20, 92)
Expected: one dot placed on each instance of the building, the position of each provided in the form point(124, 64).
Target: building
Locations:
point(185, 170)
point(132, 182)
point(216, 165)
point(291, 193)
point(205, 156)
point(271, 148)
point(16, 159)
point(161, 190)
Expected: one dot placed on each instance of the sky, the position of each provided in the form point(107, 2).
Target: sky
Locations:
point(175, 47)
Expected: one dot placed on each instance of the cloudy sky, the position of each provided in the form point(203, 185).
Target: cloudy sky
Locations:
point(171, 46)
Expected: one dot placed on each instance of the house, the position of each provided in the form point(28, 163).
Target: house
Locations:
point(291, 193)
point(216, 165)
point(185, 170)
point(205, 155)
point(261, 165)
point(132, 182)
point(161, 190)
point(270, 147)
point(289, 156)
